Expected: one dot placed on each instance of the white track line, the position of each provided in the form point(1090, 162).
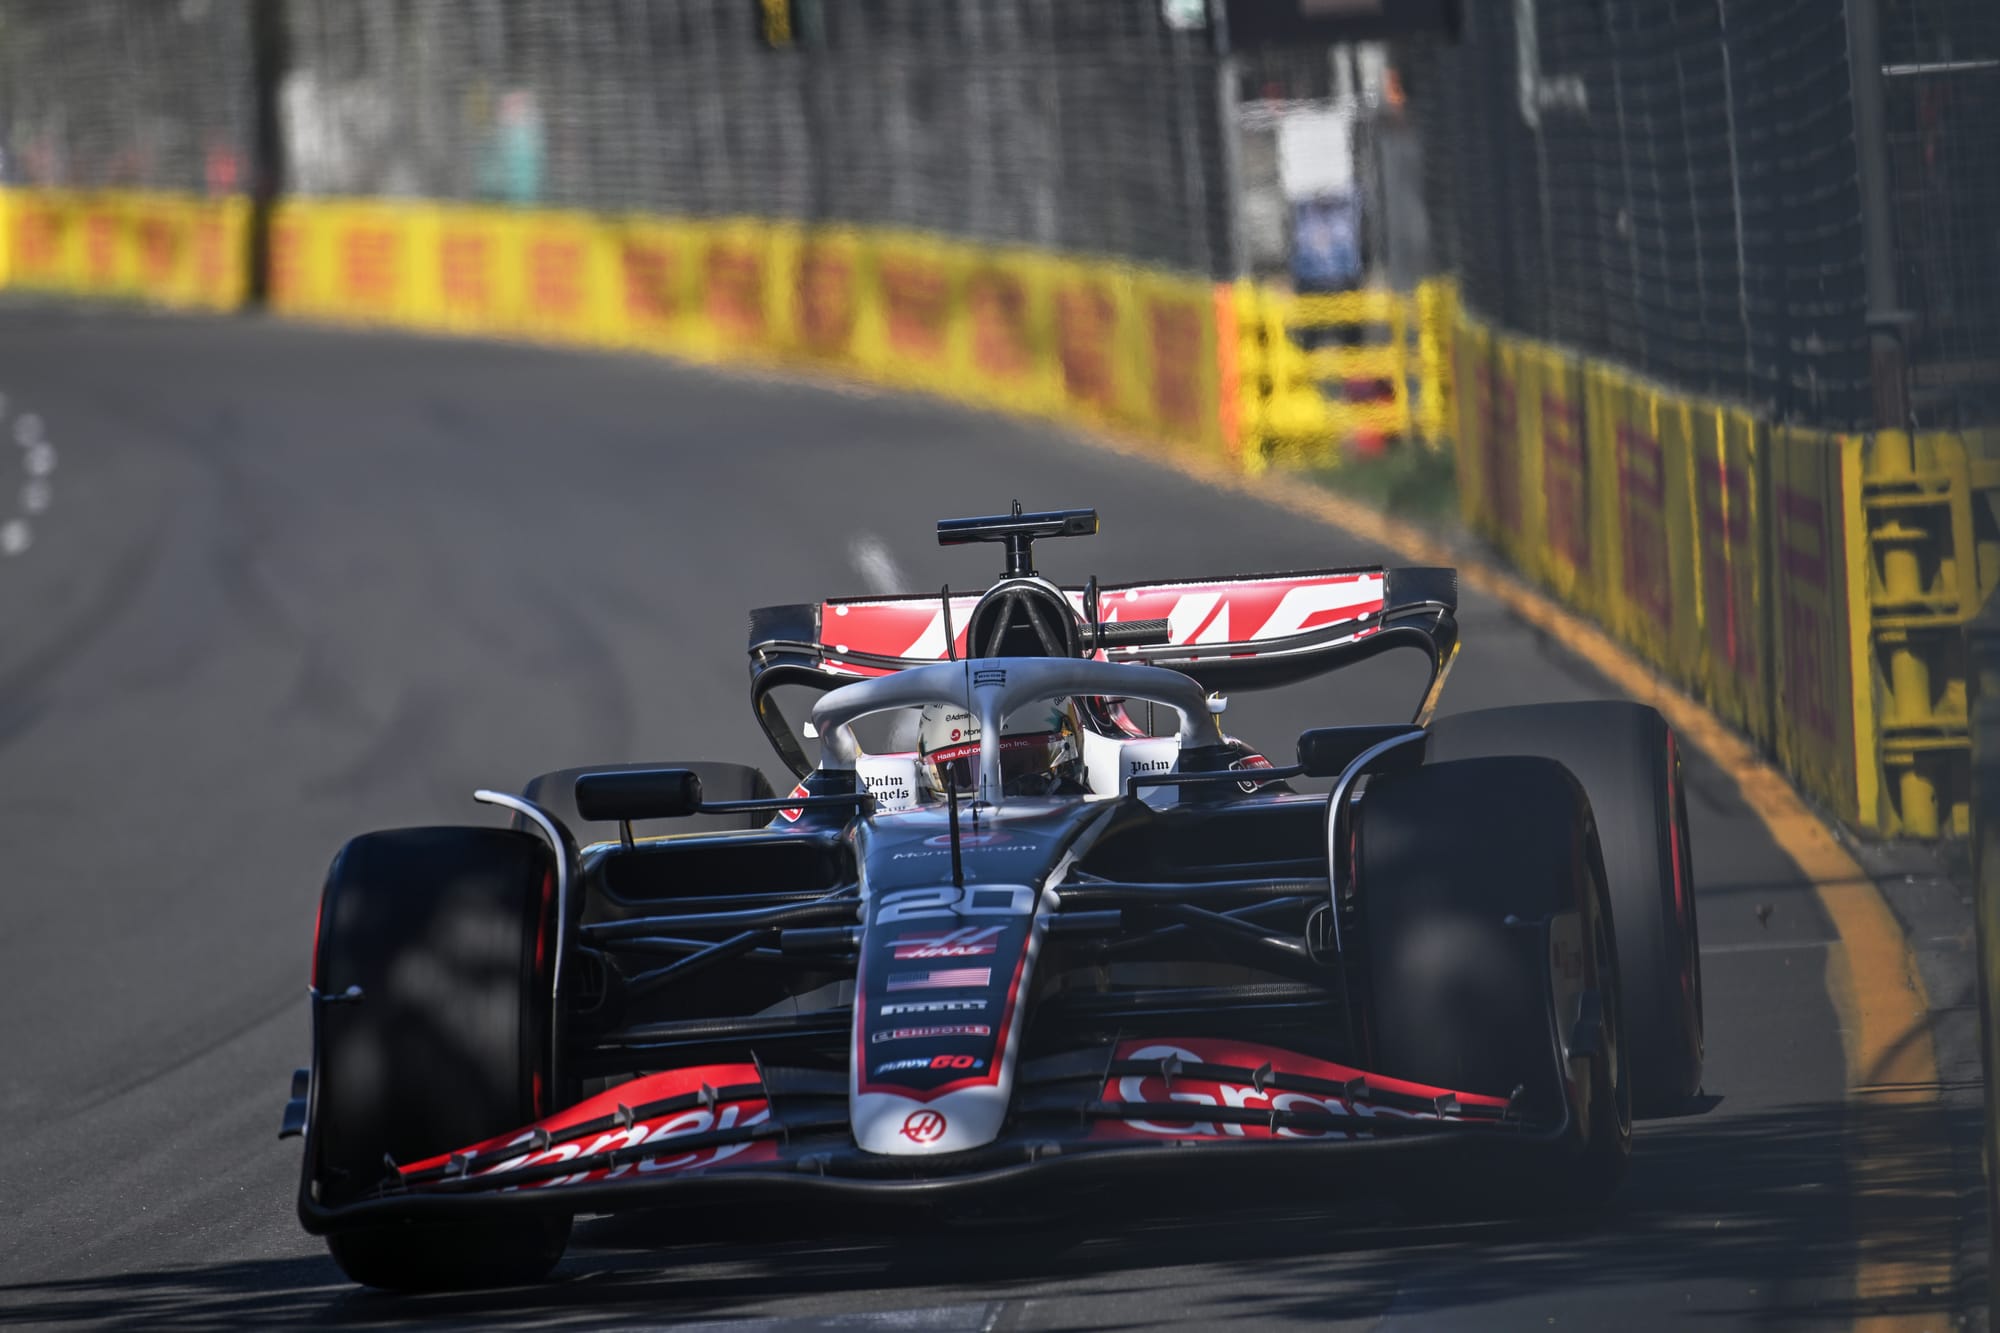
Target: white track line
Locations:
point(38, 492)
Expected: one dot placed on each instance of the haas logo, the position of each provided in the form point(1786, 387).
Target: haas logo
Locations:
point(924, 1127)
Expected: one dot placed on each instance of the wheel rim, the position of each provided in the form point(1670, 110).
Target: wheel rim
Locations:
point(1612, 1030)
point(1685, 925)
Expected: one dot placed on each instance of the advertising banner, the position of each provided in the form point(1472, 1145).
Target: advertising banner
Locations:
point(1472, 424)
point(1500, 404)
point(1824, 715)
point(183, 251)
point(1732, 520)
point(1096, 342)
point(1558, 410)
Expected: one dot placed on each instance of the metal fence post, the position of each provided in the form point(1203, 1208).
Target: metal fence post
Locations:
point(1982, 645)
point(270, 54)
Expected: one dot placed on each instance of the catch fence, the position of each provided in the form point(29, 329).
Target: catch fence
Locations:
point(1087, 129)
point(1670, 184)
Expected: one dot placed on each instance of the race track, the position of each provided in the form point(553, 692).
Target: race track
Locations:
point(295, 583)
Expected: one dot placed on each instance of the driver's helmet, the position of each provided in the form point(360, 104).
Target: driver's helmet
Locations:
point(1039, 751)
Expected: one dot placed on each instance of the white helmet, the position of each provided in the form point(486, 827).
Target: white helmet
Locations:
point(1038, 750)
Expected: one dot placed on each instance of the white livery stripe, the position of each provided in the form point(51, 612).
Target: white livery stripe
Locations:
point(1190, 614)
point(1302, 603)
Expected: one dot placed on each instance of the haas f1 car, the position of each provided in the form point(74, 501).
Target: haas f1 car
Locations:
point(1027, 912)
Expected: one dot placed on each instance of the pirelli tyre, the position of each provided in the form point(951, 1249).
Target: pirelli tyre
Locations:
point(1482, 897)
point(556, 793)
point(432, 1033)
point(1625, 756)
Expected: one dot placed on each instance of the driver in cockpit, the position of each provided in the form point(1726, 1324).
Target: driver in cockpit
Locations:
point(1040, 751)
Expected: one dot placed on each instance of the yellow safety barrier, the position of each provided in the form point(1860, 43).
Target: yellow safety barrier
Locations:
point(1729, 452)
point(1933, 556)
point(1824, 714)
point(170, 249)
point(1809, 587)
point(1094, 341)
point(1176, 359)
point(1297, 352)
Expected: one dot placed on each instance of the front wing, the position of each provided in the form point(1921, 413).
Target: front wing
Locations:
point(1140, 1105)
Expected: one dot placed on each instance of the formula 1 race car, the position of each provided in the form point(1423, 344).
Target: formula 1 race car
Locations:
point(1028, 914)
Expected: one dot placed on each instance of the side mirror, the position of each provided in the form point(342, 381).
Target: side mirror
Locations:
point(1325, 752)
point(646, 793)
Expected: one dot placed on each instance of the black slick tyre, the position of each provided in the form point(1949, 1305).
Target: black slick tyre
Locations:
point(1627, 759)
point(1482, 898)
point(439, 936)
point(556, 793)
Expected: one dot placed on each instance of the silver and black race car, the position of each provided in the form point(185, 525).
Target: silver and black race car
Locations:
point(967, 952)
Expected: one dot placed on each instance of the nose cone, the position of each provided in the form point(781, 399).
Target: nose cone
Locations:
point(898, 1126)
point(937, 1015)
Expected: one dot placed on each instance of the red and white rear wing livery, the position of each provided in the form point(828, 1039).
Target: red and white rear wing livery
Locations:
point(873, 636)
point(1251, 632)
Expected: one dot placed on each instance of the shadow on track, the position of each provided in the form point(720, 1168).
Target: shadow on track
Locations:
point(1762, 1198)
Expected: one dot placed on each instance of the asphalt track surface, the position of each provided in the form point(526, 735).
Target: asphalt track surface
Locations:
point(298, 583)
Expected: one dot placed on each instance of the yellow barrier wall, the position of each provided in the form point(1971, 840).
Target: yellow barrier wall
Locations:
point(174, 250)
point(1556, 409)
point(1824, 726)
point(1737, 559)
point(1219, 368)
point(1092, 341)
point(1729, 454)
point(1504, 466)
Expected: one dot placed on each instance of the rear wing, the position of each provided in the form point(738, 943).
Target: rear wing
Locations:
point(1250, 632)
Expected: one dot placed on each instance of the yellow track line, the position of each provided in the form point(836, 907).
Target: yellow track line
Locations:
point(1904, 1228)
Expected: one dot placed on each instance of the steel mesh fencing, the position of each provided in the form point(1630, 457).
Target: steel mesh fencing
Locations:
point(1089, 128)
point(1672, 184)
point(1941, 99)
point(98, 94)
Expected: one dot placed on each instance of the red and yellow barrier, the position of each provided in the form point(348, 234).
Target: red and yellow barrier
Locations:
point(1092, 341)
point(173, 250)
point(1806, 586)
point(1177, 360)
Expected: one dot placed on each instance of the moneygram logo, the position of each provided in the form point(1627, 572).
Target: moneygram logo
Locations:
point(931, 1062)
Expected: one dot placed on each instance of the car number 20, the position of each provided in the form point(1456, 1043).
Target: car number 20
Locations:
point(945, 900)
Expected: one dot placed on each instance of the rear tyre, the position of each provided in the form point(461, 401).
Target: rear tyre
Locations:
point(1458, 868)
point(446, 1043)
point(1626, 758)
point(556, 793)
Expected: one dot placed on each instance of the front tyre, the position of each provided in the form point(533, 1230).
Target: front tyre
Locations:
point(1626, 757)
point(446, 933)
point(1482, 895)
